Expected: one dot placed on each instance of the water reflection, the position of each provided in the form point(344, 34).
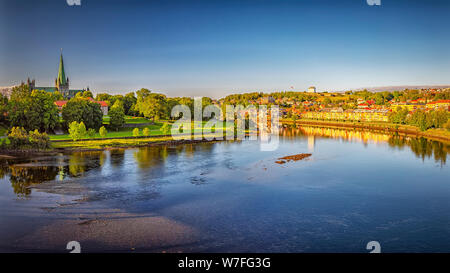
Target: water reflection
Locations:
point(193, 160)
point(117, 157)
point(423, 148)
point(81, 162)
point(150, 156)
point(22, 177)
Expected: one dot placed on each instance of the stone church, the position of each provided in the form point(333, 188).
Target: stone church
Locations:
point(61, 83)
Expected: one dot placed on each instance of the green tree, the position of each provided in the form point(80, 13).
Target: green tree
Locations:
point(3, 109)
point(129, 102)
point(379, 99)
point(57, 96)
point(165, 129)
point(83, 110)
point(112, 100)
point(34, 110)
point(19, 92)
point(399, 116)
point(91, 132)
point(419, 119)
point(85, 94)
point(136, 132)
point(103, 131)
point(77, 130)
point(88, 94)
point(146, 131)
point(117, 116)
point(440, 117)
point(151, 105)
point(102, 97)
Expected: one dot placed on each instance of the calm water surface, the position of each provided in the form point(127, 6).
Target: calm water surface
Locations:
point(230, 196)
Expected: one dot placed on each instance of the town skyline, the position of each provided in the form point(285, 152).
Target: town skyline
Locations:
point(197, 49)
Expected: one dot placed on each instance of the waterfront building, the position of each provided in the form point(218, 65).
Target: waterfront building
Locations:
point(353, 115)
point(444, 104)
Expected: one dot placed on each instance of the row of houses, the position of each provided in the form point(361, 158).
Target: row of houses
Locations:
point(420, 104)
point(353, 115)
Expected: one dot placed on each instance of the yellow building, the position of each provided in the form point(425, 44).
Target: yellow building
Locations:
point(439, 104)
point(370, 115)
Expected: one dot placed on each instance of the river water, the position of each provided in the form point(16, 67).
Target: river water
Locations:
point(358, 186)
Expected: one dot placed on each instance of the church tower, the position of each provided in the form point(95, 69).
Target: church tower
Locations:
point(61, 82)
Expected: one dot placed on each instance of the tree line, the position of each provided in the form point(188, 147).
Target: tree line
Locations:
point(420, 118)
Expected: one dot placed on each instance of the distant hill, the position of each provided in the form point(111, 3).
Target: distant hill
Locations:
point(399, 88)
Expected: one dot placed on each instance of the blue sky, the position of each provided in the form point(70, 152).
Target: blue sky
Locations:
point(213, 48)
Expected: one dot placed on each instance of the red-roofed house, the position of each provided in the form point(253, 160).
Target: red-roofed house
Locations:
point(363, 106)
point(439, 104)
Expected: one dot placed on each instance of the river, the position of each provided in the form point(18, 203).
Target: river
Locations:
point(358, 186)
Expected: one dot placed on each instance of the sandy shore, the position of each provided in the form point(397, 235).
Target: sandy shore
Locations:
point(111, 231)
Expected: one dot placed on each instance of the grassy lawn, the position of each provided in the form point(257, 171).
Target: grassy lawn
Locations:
point(110, 143)
point(98, 144)
point(122, 132)
point(129, 120)
point(128, 131)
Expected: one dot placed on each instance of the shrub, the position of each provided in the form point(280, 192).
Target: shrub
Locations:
point(103, 131)
point(91, 133)
point(39, 140)
point(146, 132)
point(18, 137)
point(165, 129)
point(136, 132)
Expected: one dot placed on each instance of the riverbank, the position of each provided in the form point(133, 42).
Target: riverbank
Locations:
point(435, 134)
point(92, 145)
point(102, 144)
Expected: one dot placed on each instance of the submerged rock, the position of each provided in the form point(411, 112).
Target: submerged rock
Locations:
point(289, 158)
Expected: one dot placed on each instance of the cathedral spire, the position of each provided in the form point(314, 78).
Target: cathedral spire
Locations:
point(62, 80)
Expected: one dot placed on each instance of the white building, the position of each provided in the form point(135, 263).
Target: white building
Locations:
point(6, 91)
point(312, 89)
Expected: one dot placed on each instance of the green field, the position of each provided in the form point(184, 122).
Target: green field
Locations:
point(128, 131)
point(99, 144)
point(122, 132)
point(129, 120)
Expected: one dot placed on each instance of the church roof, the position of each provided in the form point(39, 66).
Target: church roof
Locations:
point(47, 89)
point(61, 73)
